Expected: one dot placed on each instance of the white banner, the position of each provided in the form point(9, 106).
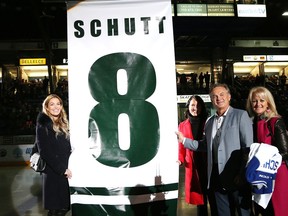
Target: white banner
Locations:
point(122, 108)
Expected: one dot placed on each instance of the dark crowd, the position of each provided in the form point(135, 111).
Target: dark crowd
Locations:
point(21, 101)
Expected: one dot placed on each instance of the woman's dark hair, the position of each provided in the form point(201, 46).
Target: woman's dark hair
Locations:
point(202, 112)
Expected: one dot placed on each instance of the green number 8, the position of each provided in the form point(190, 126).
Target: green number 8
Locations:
point(142, 115)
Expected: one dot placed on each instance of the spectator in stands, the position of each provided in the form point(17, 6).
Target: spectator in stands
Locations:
point(283, 80)
point(207, 79)
point(183, 84)
point(201, 80)
point(45, 85)
point(194, 80)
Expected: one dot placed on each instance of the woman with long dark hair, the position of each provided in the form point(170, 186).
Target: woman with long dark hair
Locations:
point(195, 162)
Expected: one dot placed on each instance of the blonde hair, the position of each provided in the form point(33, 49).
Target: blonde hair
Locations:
point(61, 125)
point(265, 94)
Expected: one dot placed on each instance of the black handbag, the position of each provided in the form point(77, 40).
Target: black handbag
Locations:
point(36, 162)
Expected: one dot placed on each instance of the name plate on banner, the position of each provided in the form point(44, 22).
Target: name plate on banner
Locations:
point(122, 108)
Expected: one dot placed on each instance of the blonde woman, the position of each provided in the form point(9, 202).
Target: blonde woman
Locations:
point(269, 127)
point(52, 137)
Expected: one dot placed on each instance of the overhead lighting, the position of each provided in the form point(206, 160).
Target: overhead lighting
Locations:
point(246, 64)
point(35, 68)
point(285, 13)
point(276, 64)
point(273, 70)
point(62, 67)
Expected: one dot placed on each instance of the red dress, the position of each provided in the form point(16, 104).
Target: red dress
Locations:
point(280, 194)
point(193, 187)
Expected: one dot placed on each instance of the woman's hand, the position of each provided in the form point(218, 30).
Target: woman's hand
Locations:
point(180, 136)
point(68, 173)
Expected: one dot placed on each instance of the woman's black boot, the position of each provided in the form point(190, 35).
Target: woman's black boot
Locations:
point(52, 212)
point(62, 212)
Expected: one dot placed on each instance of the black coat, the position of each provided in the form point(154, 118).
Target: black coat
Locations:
point(55, 151)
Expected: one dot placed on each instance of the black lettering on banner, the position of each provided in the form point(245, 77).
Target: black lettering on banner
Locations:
point(113, 26)
point(161, 24)
point(146, 26)
point(130, 26)
point(80, 31)
point(95, 32)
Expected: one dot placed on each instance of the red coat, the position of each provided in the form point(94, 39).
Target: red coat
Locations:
point(280, 194)
point(193, 181)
